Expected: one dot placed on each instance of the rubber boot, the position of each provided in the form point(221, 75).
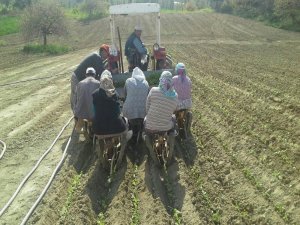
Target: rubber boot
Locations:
point(189, 117)
point(171, 142)
point(148, 141)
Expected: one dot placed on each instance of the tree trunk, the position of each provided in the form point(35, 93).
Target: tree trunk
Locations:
point(45, 39)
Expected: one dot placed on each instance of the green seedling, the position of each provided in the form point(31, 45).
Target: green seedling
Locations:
point(135, 217)
point(71, 190)
point(216, 218)
point(282, 212)
point(177, 216)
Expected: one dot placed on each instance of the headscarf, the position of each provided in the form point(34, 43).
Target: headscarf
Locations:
point(106, 83)
point(138, 74)
point(180, 71)
point(166, 84)
point(104, 47)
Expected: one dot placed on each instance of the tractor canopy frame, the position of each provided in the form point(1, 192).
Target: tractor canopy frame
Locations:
point(133, 9)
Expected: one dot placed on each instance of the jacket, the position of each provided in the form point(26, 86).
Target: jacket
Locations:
point(107, 118)
point(84, 99)
point(94, 60)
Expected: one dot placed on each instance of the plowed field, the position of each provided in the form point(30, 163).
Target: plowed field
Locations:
point(240, 166)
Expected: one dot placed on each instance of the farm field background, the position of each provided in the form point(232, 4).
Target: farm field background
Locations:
point(240, 166)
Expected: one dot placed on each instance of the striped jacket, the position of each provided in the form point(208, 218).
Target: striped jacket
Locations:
point(159, 110)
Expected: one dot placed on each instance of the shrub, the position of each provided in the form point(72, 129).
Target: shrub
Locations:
point(191, 6)
point(226, 8)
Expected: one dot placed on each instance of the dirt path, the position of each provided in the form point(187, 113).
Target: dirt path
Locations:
point(240, 166)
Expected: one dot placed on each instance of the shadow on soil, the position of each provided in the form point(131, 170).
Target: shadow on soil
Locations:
point(186, 149)
point(100, 191)
point(82, 155)
point(163, 184)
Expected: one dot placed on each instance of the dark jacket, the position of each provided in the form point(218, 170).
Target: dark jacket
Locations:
point(107, 118)
point(129, 46)
point(94, 60)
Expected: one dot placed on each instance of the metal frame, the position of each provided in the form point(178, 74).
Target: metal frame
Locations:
point(133, 9)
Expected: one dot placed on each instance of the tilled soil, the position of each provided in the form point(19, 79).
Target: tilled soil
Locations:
point(240, 165)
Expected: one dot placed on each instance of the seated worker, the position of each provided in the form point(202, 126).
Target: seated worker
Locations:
point(161, 103)
point(84, 101)
point(135, 51)
point(93, 60)
point(107, 63)
point(183, 87)
point(134, 108)
point(108, 119)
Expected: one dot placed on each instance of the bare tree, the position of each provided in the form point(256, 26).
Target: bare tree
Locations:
point(94, 7)
point(43, 19)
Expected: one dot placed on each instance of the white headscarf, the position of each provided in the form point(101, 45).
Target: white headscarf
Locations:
point(138, 74)
point(106, 83)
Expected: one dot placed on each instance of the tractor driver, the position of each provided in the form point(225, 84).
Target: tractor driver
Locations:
point(135, 51)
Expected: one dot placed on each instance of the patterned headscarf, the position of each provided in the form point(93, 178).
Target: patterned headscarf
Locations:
point(138, 74)
point(180, 71)
point(166, 84)
point(106, 83)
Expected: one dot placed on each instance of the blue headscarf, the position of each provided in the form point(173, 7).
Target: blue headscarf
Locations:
point(166, 85)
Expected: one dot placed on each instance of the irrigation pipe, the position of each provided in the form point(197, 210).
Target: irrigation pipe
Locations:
point(3, 150)
point(33, 169)
point(48, 184)
point(38, 78)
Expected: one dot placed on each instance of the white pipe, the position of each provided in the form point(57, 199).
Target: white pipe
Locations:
point(3, 150)
point(158, 28)
point(49, 182)
point(33, 169)
point(112, 29)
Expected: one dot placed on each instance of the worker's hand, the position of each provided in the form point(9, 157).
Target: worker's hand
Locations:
point(144, 59)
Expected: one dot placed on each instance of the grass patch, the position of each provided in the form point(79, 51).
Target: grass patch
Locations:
point(82, 16)
point(184, 11)
point(2, 43)
point(48, 49)
point(9, 25)
point(75, 14)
